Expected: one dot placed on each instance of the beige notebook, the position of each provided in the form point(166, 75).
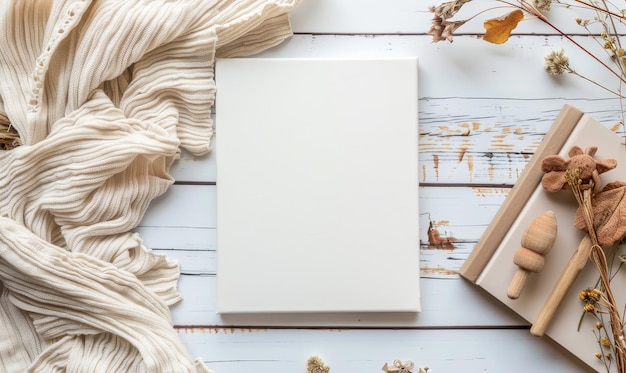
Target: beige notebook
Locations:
point(491, 266)
point(317, 185)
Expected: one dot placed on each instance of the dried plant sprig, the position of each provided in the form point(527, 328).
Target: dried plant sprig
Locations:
point(557, 63)
point(594, 305)
point(598, 257)
point(443, 27)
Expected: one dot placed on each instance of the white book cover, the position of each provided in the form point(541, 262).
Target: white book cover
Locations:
point(317, 185)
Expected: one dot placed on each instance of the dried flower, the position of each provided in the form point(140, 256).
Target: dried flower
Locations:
point(589, 307)
point(582, 295)
point(448, 9)
point(315, 365)
point(605, 342)
point(441, 28)
point(556, 62)
point(543, 5)
point(595, 294)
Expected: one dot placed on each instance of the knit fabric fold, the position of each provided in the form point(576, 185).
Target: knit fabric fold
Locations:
point(104, 95)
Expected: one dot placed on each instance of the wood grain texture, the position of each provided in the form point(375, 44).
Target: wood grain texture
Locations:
point(483, 110)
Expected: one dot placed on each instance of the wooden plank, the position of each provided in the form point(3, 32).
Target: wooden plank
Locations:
point(189, 168)
point(459, 213)
point(410, 17)
point(178, 238)
point(490, 141)
point(189, 206)
point(451, 222)
point(229, 350)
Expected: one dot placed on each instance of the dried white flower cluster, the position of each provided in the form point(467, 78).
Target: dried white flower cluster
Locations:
point(557, 63)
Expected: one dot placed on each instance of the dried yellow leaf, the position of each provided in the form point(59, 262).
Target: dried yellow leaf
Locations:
point(499, 29)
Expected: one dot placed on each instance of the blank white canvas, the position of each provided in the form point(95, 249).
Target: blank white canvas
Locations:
point(317, 185)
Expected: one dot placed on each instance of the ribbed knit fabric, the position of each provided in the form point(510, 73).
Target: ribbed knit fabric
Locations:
point(103, 95)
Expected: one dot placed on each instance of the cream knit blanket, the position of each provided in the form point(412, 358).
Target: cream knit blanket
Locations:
point(103, 93)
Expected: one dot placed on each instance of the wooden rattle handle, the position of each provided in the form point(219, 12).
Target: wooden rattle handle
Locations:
point(517, 283)
point(562, 286)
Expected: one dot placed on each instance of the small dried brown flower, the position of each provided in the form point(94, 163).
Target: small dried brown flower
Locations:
point(556, 62)
point(542, 5)
point(582, 295)
point(448, 9)
point(605, 342)
point(589, 307)
point(590, 295)
point(442, 28)
point(595, 294)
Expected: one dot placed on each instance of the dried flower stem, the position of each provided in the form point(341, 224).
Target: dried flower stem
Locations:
point(583, 197)
point(577, 44)
point(603, 10)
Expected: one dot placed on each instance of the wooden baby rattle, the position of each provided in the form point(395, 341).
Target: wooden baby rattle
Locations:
point(537, 240)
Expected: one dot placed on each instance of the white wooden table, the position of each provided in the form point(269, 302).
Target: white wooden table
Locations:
point(483, 110)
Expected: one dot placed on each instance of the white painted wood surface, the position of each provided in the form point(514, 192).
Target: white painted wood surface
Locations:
point(483, 110)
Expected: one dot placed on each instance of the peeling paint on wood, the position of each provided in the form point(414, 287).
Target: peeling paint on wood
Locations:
point(436, 241)
point(462, 149)
point(616, 127)
point(483, 191)
point(501, 140)
point(438, 271)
